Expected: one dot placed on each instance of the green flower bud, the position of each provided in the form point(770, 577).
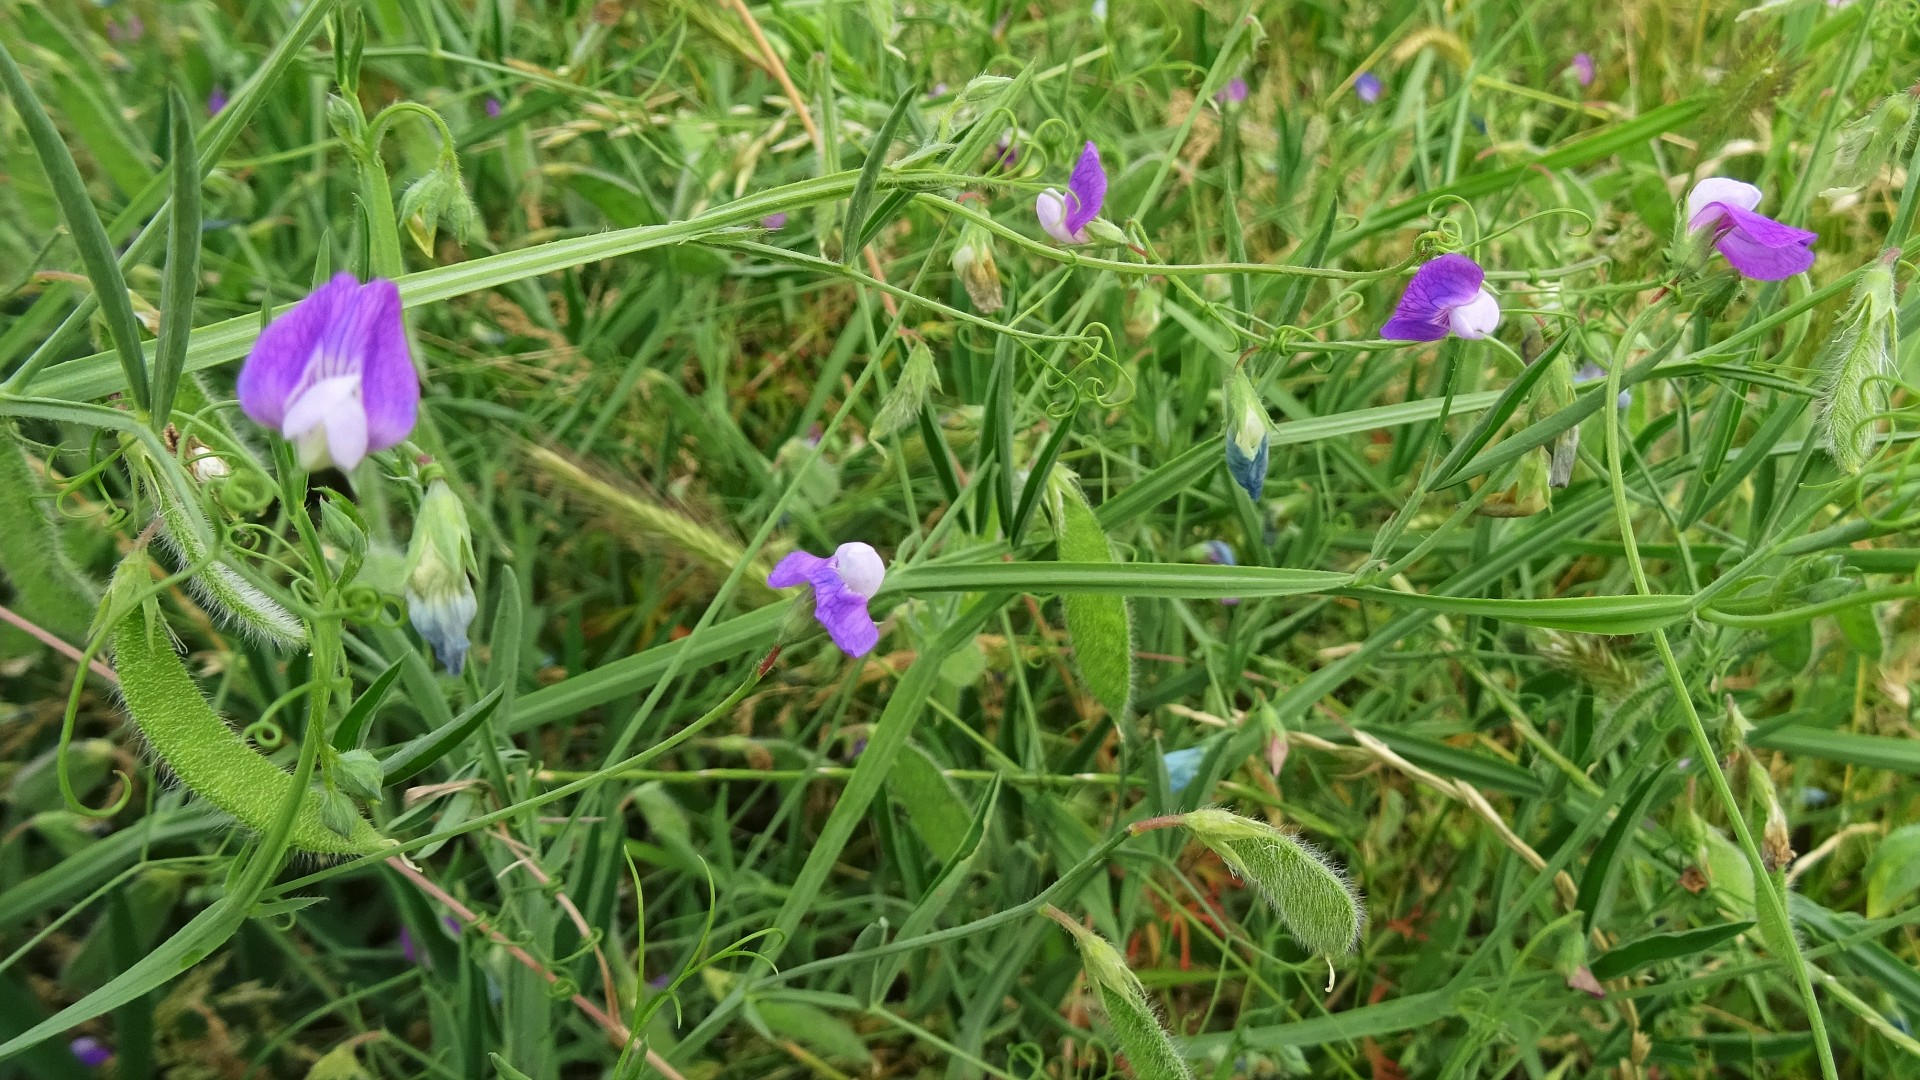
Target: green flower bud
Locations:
point(1531, 491)
point(918, 378)
point(1855, 368)
point(440, 600)
point(1312, 897)
point(357, 772)
point(340, 526)
point(1106, 232)
point(1136, 1026)
point(1247, 434)
point(436, 198)
point(973, 264)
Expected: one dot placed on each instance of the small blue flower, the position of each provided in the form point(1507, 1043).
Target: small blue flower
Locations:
point(1247, 435)
point(842, 585)
point(1183, 766)
point(1367, 87)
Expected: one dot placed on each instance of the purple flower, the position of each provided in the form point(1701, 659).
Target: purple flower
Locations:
point(1582, 68)
point(493, 108)
point(1235, 92)
point(334, 375)
point(91, 1051)
point(216, 101)
point(939, 90)
point(842, 585)
point(776, 220)
point(1064, 217)
point(1444, 295)
point(1009, 153)
point(1757, 246)
point(1367, 87)
point(406, 947)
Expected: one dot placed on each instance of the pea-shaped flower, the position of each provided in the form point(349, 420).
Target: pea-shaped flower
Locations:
point(1248, 435)
point(1444, 296)
point(842, 585)
point(1065, 217)
point(334, 376)
point(1367, 88)
point(1757, 246)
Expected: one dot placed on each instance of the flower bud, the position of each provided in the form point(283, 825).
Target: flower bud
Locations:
point(1776, 840)
point(341, 527)
point(1570, 960)
point(1150, 1052)
point(438, 197)
point(1531, 490)
point(358, 774)
point(1106, 232)
point(338, 813)
point(440, 600)
point(1141, 311)
point(1313, 898)
point(1247, 434)
point(1855, 368)
point(973, 264)
point(918, 378)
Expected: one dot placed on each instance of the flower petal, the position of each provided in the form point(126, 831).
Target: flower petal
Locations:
point(1087, 188)
point(844, 613)
point(277, 364)
point(372, 332)
point(1447, 282)
point(1051, 209)
point(327, 420)
point(1476, 318)
point(797, 568)
point(1249, 470)
point(1762, 248)
point(1718, 189)
point(860, 567)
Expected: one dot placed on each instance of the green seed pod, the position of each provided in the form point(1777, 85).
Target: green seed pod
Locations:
point(1853, 388)
point(204, 753)
point(218, 588)
point(1312, 897)
point(1100, 626)
point(1865, 144)
point(901, 410)
point(47, 588)
point(1149, 1049)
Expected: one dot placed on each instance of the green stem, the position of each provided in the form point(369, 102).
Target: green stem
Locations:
point(1771, 905)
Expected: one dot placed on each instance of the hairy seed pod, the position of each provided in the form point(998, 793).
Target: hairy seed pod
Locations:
point(1312, 897)
point(1099, 625)
point(198, 747)
point(1853, 389)
point(1149, 1049)
point(47, 587)
point(901, 409)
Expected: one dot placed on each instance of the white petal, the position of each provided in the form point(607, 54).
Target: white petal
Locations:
point(1719, 189)
point(1051, 209)
point(328, 422)
point(1476, 318)
point(860, 567)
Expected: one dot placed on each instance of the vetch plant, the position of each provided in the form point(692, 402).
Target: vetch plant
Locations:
point(1065, 217)
point(1720, 212)
point(334, 376)
point(1248, 434)
point(440, 600)
point(1136, 1026)
point(1856, 369)
point(1313, 898)
point(1101, 626)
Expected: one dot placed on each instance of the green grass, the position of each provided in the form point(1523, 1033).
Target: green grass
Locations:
point(661, 826)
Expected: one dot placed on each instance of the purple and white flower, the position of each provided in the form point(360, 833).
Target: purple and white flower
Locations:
point(1367, 87)
point(1757, 246)
point(334, 375)
point(1582, 68)
point(1444, 296)
point(1065, 217)
point(842, 585)
point(774, 221)
point(493, 108)
point(91, 1052)
point(1233, 93)
point(216, 101)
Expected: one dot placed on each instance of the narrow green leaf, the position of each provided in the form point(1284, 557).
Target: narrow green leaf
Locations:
point(1867, 751)
point(1603, 866)
point(1581, 614)
point(181, 280)
point(1036, 479)
point(1635, 955)
point(1893, 874)
point(862, 198)
point(83, 225)
point(347, 735)
point(1509, 400)
point(410, 759)
point(1191, 581)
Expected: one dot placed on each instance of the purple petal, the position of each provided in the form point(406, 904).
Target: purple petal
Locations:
point(1088, 188)
point(278, 361)
point(1762, 248)
point(390, 388)
point(91, 1052)
point(844, 613)
point(216, 101)
point(406, 946)
point(1447, 282)
point(797, 568)
point(1234, 92)
point(1583, 69)
point(493, 108)
point(1367, 87)
point(773, 221)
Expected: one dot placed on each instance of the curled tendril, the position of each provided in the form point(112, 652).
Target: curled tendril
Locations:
point(266, 733)
point(1586, 221)
point(1040, 138)
point(362, 603)
point(265, 721)
point(563, 988)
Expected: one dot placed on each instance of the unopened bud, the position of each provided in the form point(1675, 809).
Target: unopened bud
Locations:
point(1248, 434)
point(440, 600)
point(338, 813)
point(435, 199)
point(1106, 232)
point(358, 774)
point(1149, 1049)
point(340, 527)
point(1530, 493)
point(1312, 897)
point(973, 264)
